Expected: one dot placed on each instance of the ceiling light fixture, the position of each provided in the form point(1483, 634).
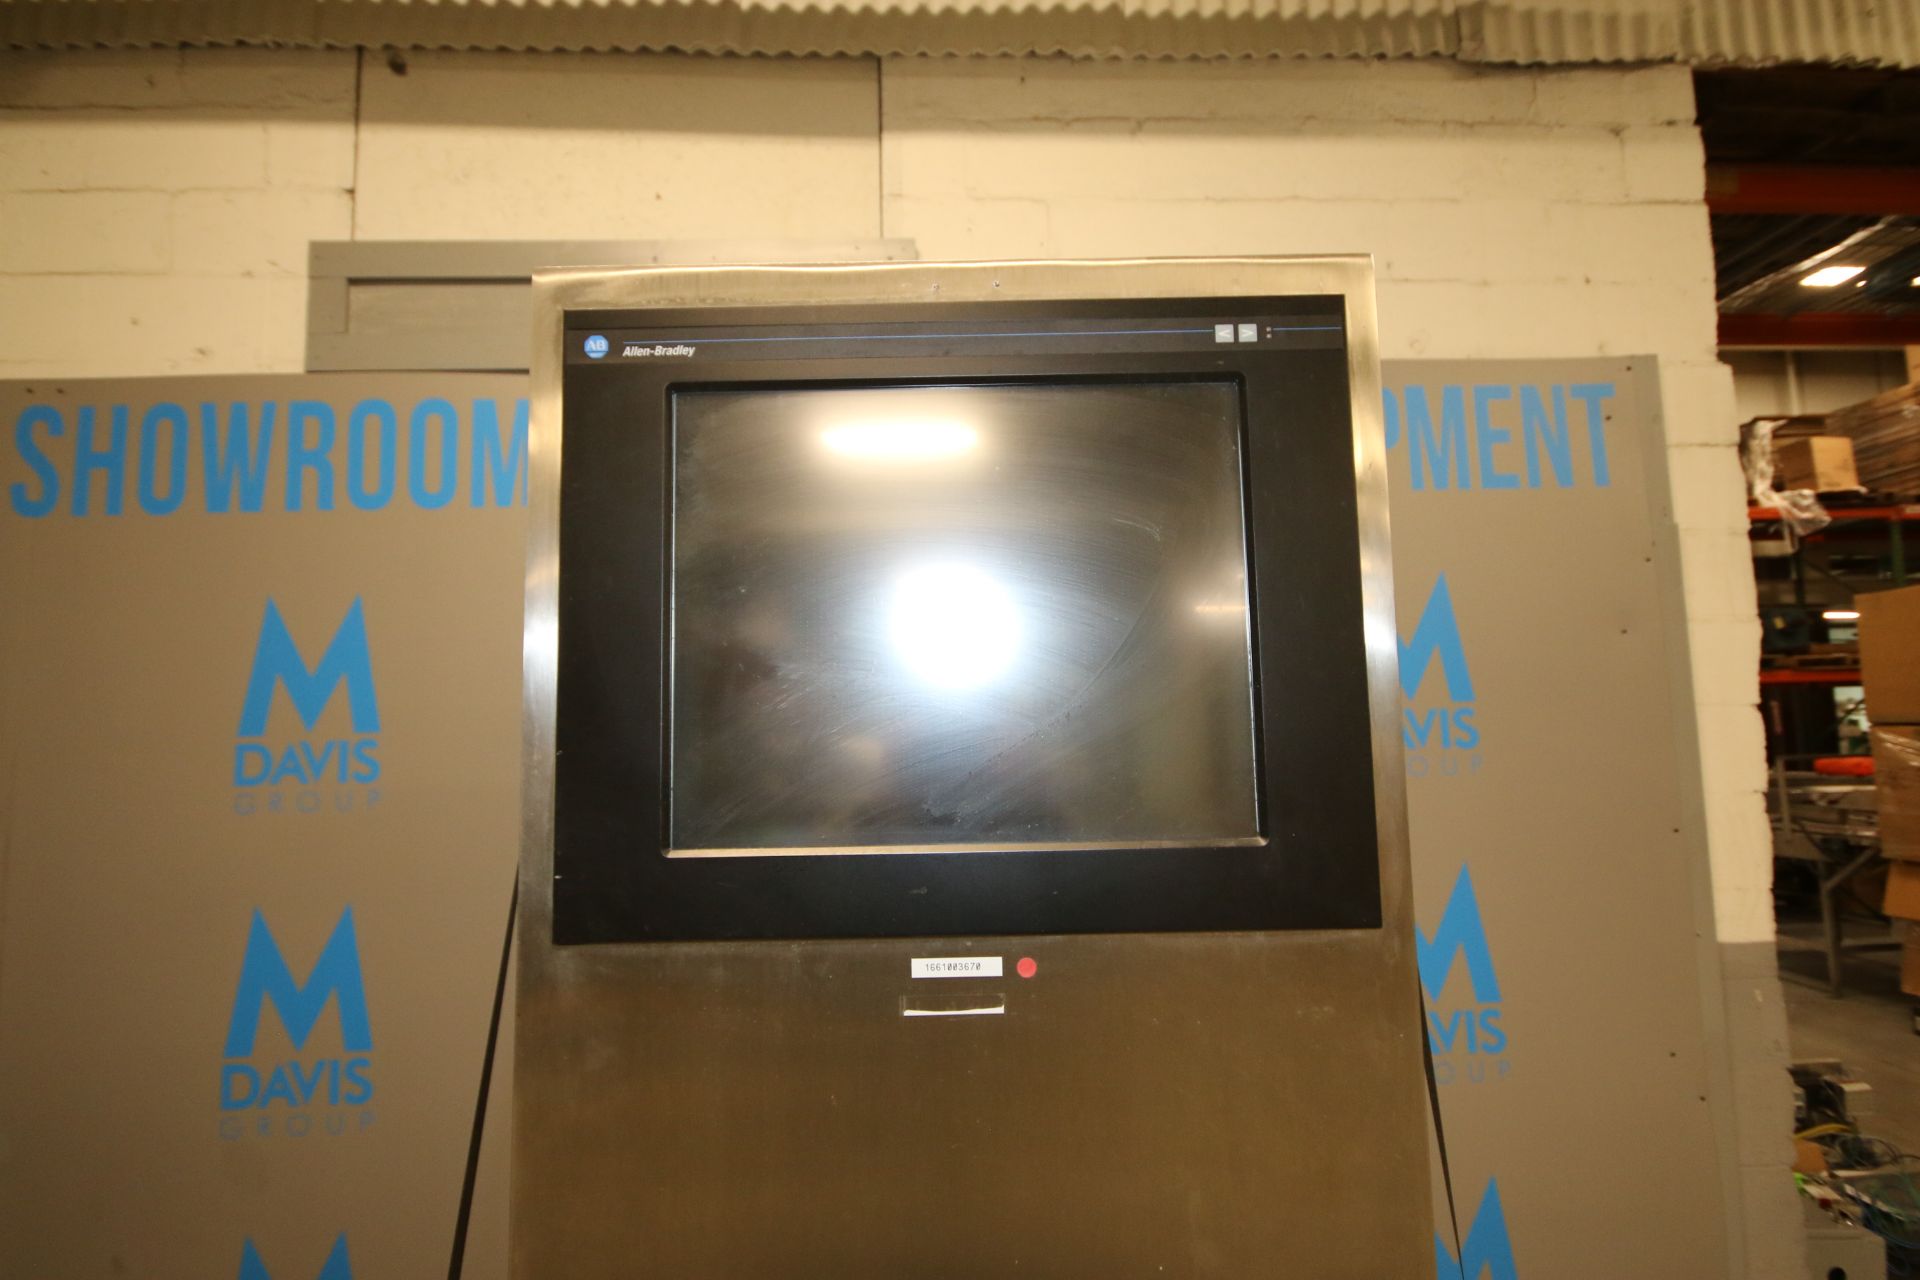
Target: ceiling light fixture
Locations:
point(1827, 277)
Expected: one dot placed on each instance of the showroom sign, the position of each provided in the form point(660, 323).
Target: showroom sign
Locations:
point(95, 457)
point(260, 719)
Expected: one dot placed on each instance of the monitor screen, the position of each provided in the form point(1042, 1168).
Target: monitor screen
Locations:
point(980, 615)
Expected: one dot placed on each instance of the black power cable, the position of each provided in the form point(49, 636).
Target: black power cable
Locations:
point(1440, 1132)
point(486, 1083)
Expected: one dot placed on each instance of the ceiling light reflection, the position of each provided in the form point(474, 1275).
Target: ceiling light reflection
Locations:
point(953, 625)
point(901, 439)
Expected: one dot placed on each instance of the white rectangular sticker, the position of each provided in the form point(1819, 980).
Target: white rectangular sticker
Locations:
point(957, 967)
point(975, 1012)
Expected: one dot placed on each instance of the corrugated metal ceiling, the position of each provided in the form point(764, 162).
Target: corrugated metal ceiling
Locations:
point(1884, 33)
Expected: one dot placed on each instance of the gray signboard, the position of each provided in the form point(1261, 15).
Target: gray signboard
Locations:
point(259, 712)
point(1557, 847)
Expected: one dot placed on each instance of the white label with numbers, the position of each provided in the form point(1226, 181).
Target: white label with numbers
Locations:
point(957, 967)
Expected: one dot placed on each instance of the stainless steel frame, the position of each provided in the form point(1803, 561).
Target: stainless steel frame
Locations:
point(1204, 1105)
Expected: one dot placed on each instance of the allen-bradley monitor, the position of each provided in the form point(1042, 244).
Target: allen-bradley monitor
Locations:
point(965, 826)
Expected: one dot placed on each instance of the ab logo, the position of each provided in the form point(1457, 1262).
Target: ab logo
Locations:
point(1487, 1251)
point(336, 1267)
point(1438, 729)
point(262, 1092)
point(277, 772)
point(1468, 1024)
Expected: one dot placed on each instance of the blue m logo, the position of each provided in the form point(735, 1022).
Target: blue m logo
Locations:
point(277, 662)
point(1460, 932)
point(264, 976)
point(1437, 632)
point(1486, 1251)
point(336, 1267)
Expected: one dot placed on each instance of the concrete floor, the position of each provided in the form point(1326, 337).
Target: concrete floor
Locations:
point(1870, 1028)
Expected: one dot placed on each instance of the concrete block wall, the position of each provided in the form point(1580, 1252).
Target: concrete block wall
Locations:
point(155, 210)
point(602, 148)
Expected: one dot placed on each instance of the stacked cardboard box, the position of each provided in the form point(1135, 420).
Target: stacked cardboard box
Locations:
point(1823, 464)
point(1890, 672)
point(1886, 439)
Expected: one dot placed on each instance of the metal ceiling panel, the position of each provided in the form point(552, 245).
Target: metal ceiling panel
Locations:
point(1883, 33)
point(1570, 31)
point(1872, 33)
point(1127, 28)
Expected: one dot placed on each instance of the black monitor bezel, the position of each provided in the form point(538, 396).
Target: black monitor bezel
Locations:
point(1319, 865)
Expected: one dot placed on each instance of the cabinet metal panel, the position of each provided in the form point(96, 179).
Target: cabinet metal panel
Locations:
point(1227, 1104)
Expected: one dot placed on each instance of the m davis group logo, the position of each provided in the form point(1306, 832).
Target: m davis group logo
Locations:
point(287, 1078)
point(336, 1266)
point(1486, 1251)
point(1463, 1016)
point(1437, 726)
point(276, 771)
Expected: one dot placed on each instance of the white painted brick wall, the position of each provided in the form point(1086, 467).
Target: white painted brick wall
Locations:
point(479, 146)
point(107, 232)
point(155, 209)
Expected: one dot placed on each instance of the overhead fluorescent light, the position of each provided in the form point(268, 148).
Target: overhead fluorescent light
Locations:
point(1840, 615)
point(1827, 277)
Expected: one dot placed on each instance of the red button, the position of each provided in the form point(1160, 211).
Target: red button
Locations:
point(1026, 968)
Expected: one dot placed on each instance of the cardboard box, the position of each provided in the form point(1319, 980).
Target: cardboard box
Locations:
point(1870, 882)
point(1896, 786)
point(1820, 463)
point(1890, 654)
point(1902, 900)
